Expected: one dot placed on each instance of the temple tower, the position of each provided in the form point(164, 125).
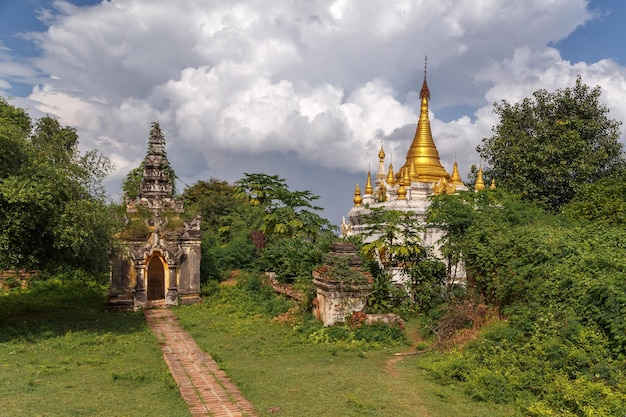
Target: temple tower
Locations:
point(409, 189)
point(160, 265)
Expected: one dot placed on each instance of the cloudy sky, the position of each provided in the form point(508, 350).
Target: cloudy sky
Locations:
point(303, 89)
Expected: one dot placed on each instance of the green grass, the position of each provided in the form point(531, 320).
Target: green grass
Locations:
point(62, 355)
point(284, 372)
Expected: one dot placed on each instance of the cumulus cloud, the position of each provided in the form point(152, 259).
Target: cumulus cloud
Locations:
point(311, 86)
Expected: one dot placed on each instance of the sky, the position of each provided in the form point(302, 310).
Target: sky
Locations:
point(302, 89)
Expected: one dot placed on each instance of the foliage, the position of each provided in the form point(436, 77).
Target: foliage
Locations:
point(549, 146)
point(227, 223)
point(132, 182)
point(47, 189)
point(393, 239)
point(292, 259)
point(213, 199)
point(386, 297)
point(61, 354)
point(603, 201)
point(337, 268)
point(560, 283)
point(287, 213)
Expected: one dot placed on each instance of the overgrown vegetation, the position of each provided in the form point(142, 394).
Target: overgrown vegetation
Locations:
point(560, 287)
point(551, 144)
point(286, 363)
point(47, 188)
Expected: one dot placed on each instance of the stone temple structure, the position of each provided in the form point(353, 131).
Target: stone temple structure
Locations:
point(160, 262)
point(409, 189)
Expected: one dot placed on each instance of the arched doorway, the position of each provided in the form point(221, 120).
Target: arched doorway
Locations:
point(156, 279)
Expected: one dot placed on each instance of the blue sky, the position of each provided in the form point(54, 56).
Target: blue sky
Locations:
point(304, 90)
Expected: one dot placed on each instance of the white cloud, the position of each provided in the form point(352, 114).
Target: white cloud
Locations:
point(318, 81)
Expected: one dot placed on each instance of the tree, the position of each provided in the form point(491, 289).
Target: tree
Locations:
point(287, 213)
point(547, 147)
point(393, 239)
point(227, 223)
point(52, 203)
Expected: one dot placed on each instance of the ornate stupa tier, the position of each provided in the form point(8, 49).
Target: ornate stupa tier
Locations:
point(157, 182)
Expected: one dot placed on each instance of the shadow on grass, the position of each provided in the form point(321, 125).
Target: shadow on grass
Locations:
point(53, 307)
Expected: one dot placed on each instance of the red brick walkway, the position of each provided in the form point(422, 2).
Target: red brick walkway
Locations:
point(207, 389)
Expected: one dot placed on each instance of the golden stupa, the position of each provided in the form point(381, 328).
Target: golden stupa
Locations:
point(423, 154)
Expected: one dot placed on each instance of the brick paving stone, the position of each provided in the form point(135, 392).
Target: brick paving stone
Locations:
point(207, 389)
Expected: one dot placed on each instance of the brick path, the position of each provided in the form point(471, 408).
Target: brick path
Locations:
point(207, 389)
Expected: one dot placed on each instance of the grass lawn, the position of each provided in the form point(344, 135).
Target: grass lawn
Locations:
point(284, 373)
point(62, 355)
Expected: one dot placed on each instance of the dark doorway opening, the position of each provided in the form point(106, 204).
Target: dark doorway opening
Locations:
point(156, 279)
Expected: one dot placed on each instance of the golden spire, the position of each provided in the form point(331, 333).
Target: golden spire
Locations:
point(401, 192)
point(455, 179)
point(369, 190)
point(357, 196)
point(405, 180)
point(423, 151)
point(413, 175)
point(390, 178)
point(380, 175)
point(493, 184)
point(480, 184)
point(381, 153)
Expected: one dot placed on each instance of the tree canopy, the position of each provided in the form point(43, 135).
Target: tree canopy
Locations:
point(550, 145)
point(52, 202)
point(287, 213)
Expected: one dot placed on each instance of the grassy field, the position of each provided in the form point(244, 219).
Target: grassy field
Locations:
point(286, 370)
point(62, 355)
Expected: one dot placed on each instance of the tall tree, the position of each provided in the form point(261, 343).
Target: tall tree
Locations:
point(550, 145)
point(52, 203)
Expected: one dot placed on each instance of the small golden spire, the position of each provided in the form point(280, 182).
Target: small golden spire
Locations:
point(480, 184)
point(413, 175)
point(406, 179)
point(493, 184)
point(381, 153)
point(423, 151)
point(357, 196)
point(455, 179)
point(390, 178)
point(401, 192)
point(369, 190)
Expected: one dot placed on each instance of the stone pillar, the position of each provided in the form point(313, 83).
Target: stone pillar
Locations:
point(171, 297)
point(141, 298)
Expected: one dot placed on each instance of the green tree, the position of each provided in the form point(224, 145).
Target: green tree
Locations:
point(287, 213)
point(603, 201)
point(227, 223)
point(53, 211)
point(549, 146)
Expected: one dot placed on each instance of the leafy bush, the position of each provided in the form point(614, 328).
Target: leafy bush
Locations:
point(249, 294)
point(561, 284)
point(349, 337)
point(294, 259)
